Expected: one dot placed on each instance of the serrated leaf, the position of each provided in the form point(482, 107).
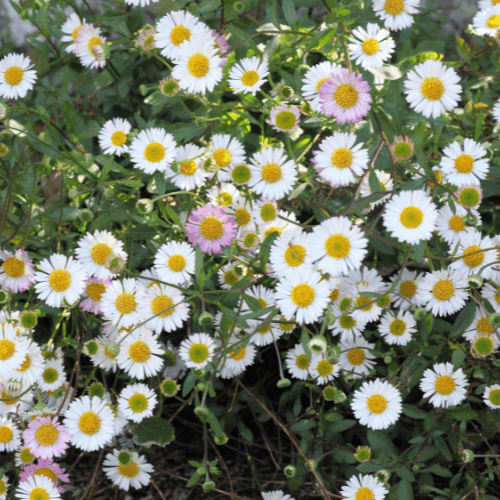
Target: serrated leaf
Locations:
point(154, 430)
point(387, 72)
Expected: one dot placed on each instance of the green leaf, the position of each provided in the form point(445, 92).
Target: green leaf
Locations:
point(457, 358)
point(405, 490)
point(289, 11)
point(374, 182)
point(154, 430)
point(443, 448)
point(438, 470)
point(413, 184)
point(265, 248)
point(464, 320)
point(305, 341)
point(382, 442)
point(68, 213)
point(193, 480)
point(325, 38)
point(417, 134)
point(404, 473)
point(419, 250)
point(414, 412)
point(463, 414)
point(189, 383)
point(105, 170)
point(214, 423)
point(303, 425)
point(272, 13)
point(370, 295)
point(341, 426)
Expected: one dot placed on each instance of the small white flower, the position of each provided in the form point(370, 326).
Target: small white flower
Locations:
point(314, 78)
point(444, 386)
point(113, 136)
point(197, 350)
point(174, 262)
point(248, 75)
point(37, 487)
point(371, 48)
point(120, 302)
point(16, 76)
point(153, 150)
point(136, 474)
point(190, 175)
point(364, 488)
point(71, 28)
point(397, 329)
point(297, 362)
point(487, 22)
point(355, 356)
point(10, 435)
point(322, 370)
point(491, 396)
point(137, 402)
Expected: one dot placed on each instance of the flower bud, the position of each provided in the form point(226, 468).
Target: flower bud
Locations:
point(221, 439)
point(28, 319)
point(4, 150)
point(329, 393)
point(239, 7)
point(383, 475)
point(363, 454)
point(85, 215)
point(144, 206)
point(113, 348)
point(73, 193)
point(201, 471)
point(6, 134)
point(420, 314)
point(96, 389)
point(125, 457)
point(387, 360)
point(4, 295)
point(340, 397)
point(169, 387)
point(201, 386)
point(208, 485)
point(470, 220)
point(318, 344)
point(494, 318)
point(114, 263)
point(143, 89)
point(290, 470)
point(283, 383)
point(415, 468)
point(24, 14)
point(108, 193)
point(475, 281)
point(206, 319)
point(313, 463)
point(286, 92)
point(468, 456)
point(201, 411)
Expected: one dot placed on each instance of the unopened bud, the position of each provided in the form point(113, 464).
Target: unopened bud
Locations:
point(96, 389)
point(329, 393)
point(470, 220)
point(28, 320)
point(318, 344)
point(290, 470)
point(4, 295)
point(201, 411)
point(468, 456)
point(383, 475)
point(6, 134)
point(73, 193)
point(143, 90)
point(340, 397)
point(420, 314)
point(283, 383)
point(201, 471)
point(206, 319)
point(313, 463)
point(239, 7)
point(387, 360)
point(221, 439)
point(494, 318)
point(208, 485)
point(286, 92)
point(125, 457)
point(475, 281)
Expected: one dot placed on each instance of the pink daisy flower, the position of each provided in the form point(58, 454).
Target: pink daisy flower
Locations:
point(94, 290)
point(211, 228)
point(16, 270)
point(47, 468)
point(345, 96)
point(222, 45)
point(46, 437)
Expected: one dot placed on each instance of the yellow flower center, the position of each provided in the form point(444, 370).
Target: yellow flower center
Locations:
point(464, 164)
point(238, 356)
point(493, 21)
point(346, 96)
point(432, 88)
point(444, 385)
point(188, 168)
point(13, 75)
point(285, 120)
point(474, 260)
point(335, 294)
point(286, 327)
point(74, 33)
point(356, 356)
point(138, 403)
point(338, 246)
point(494, 397)
point(250, 78)
point(364, 493)
point(411, 217)
point(118, 138)
point(271, 173)
point(5, 434)
point(302, 295)
point(47, 435)
point(443, 290)
point(361, 301)
point(241, 174)
point(211, 228)
point(302, 362)
point(469, 197)
point(7, 349)
point(394, 8)
point(139, 352)
point(95, 291)
point(89, 423)
point(13, 267)
point(130, 470)
point(224, 199)
point(295, 255)
point(100, 252)
point(95, 40)
point(176, 263)
point(3, 487)
point(342, 158)
point(376, 404)
point(397, 327)
point(484, 326)
point(198, 353)
point(160, 303)
point(26, 457)
point(46, 472)
point(39, 494)
point(59, 280)
point(347, 322)
point(222, 157)
point(198, 65)
point(370, 46)
point(456, 224)
point(408, 289)
point(179, 34)
point(403, 150)
point(154, 152)
point(243, 217)
point(125, 303)
point(26, 364)
point(230, 278)
point(324, 368)
point(268, 212)
point(50, 375)
point(272, 230)
point(8, 395)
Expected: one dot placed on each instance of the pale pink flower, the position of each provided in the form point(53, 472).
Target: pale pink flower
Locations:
point(16, 270)
point(221, 43)
point(46, 437)
point(46, 464)
point(93, 291)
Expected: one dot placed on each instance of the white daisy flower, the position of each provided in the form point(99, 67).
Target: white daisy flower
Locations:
point(248, 75)
point(302, 295)
point(104, 358)
point(13, 350)
point(377, 404)
point(230, 273)
point(174, 364)
point(241, 210)
point(136, 474)
point(113, 136)
point(364, 488)
point(137, 402)
point(94, 249)
point(347, 326)
point(486, 4)
point(53, 375)
point(71, 28)
point(265, 335)
point(371, 48)
point(142, 3)
point(397, 329)
point(366, 309)
point(450, 226)
point(60, 279)
point(386, 184)
point(410, 216)
point(491, 396)
point(265, 211)
point(276, 495)
point(119, 303)
point(492, 295)
point(159, 298)
point(224, 195)
point(87, 39)
point(322, 370)
point(197, 350)
point(31, 368)
point(14, 401)
point(370, 279)
point(140, 354)
point(16, 76)
point(240, 174)
point(314, 78)
point(290, 252)
point(396, 14)
point(285, 118)
point(198, 66)
point(467, 165)
point(407, 292)
point(444, 292)
point(4, 486)
point(92, 294)
point(282, 223)
point(496, 111)
point(297, 363)
point(174, 262)
point(432, 88)
point(338, 159)
point(226, 152)
point(355, 356)
point(337, 245)
point(10, 435)
point(444, 386)
point(91, 422)
point(189, 175)
point(62, 402)
point(481, 326)
point(16, 271)
point(153, 150)
point(239, 358)
point(23, 458)
point(487, 22)
point(37, 487)
point(174, 29)
point(273, 175)
point(120, 421)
